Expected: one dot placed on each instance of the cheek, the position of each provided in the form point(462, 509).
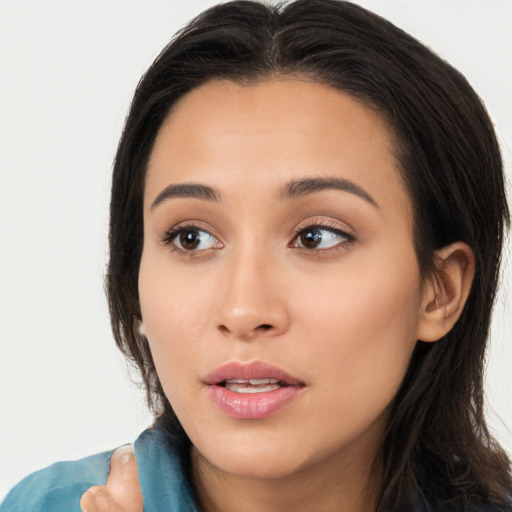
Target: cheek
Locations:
point(169, 296)
point(172, 312)
point(365, 325)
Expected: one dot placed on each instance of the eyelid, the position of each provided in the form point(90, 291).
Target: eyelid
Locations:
point(326, 223)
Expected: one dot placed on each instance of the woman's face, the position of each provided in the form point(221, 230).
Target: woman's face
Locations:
point(279, 286)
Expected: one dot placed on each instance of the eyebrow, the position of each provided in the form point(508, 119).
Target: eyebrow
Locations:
point(183, 190)
point(292, 190)
point(307, 186)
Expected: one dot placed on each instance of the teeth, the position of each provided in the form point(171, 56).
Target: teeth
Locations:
point(247, 388)
point(252, 385)
point(257, 382)
point(254, 382)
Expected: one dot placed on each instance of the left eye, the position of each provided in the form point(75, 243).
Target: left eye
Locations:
point(317, 237)
point(192, 239)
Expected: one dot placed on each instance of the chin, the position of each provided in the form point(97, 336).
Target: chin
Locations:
point(258, 467)
point(260, 456)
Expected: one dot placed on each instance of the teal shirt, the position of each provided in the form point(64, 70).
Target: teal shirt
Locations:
point(59, 487)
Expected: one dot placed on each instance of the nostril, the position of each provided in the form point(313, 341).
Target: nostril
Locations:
point(244, 332)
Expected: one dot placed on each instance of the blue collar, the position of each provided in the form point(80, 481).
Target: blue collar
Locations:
point(163, 483)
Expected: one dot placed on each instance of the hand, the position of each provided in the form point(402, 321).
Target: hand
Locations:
point(122, 491)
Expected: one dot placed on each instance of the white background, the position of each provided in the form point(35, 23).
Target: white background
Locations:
point(68, 69)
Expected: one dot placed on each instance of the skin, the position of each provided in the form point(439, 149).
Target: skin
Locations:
point(343, 317)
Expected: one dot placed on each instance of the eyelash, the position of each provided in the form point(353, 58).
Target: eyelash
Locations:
point(172, 234)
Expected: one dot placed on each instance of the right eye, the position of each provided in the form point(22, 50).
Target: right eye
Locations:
point(190, 239)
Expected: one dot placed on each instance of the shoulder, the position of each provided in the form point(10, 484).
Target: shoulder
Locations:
point(161, 462)
point(59, 486)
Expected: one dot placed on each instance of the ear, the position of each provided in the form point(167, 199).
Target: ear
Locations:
point(446, 291)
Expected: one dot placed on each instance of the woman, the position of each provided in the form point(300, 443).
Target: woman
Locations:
point(306, 224)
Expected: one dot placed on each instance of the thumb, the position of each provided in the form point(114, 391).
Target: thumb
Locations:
point(123, 467)
point(122, 491)
point(123, 480)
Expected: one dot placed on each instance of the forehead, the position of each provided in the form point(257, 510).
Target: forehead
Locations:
point(264, 134)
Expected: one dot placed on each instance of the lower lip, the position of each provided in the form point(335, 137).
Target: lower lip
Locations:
point(252, 406)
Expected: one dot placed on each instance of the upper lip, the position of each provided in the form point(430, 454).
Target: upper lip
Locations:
point(250, 370)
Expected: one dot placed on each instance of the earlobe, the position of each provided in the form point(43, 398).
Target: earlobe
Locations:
point(446, 291)
point(140, 329)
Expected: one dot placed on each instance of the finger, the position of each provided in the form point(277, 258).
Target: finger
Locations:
point(99, 499)
point(88, 501)
point(123, 480)
point(122, 492)
point(123, 466)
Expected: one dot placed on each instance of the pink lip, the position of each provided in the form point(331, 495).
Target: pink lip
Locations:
point(251, 406)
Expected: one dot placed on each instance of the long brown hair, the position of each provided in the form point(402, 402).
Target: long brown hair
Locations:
point(438, 452)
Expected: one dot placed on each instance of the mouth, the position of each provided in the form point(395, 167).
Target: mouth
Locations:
point(251, 377)
point(252, 390)
point(252, 385)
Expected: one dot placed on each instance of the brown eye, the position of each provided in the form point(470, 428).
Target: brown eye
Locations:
point(191, 239)
point(319, 238)
point(311, 238)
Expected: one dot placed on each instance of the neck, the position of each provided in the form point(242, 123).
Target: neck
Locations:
point(343, 483)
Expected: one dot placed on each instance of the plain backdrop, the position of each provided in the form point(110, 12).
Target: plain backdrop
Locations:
point(68, 69)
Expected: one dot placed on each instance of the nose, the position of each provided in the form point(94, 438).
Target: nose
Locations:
point(252, 303)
